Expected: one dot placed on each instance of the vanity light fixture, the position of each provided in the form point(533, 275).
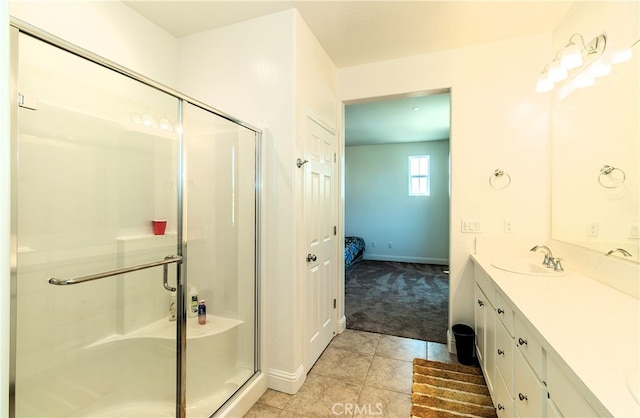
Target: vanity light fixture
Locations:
point(572, 53)
point(574, 57)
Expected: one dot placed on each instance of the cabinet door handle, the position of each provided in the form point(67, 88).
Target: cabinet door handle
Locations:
point(481, 303)
point(500, 311)
point(522, 342)
point(522, 397)
point(311, 257)
point(500, 352)
point(500, 407)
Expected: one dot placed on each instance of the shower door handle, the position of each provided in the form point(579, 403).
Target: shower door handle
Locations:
point(77, 280)
point(165, 276)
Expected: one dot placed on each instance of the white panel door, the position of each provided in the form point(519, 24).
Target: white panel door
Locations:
point(319, 196)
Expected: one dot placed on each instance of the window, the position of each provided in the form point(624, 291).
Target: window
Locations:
point(419, 175)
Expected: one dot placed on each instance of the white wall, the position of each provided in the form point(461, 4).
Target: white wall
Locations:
point(269, 71)
point(108, 29)
point(498, 121)
point(378, 206)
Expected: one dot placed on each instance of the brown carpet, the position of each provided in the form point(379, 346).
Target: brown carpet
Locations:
point(403, 299)
point(445, 390)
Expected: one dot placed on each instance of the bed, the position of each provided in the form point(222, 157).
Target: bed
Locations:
point(353, 250)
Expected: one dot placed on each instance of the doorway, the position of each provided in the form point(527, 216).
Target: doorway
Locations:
point(404, 232)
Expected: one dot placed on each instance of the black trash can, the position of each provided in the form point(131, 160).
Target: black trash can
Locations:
point(465, 343)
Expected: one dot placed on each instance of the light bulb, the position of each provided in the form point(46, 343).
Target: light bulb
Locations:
point(556, 72)
point(147, 120)
point(599, 69)
point(164, 124)
point(583, 80)
point(566, 90)
point(544, 84)
point(622, 56)
point(571, 57)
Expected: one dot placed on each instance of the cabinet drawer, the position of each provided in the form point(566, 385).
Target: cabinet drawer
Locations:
point(564, 395)
point(529, 346)
point(504, 311)
point(529, 394)
point(503, 400)
point(485, 283)
point(504, 355)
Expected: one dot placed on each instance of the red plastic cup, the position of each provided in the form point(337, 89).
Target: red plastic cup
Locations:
point(159, 226)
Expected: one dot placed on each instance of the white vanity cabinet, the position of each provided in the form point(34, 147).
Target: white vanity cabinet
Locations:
point(546, 349)
point(564, 398)
point(514, 360)
point(485, 326)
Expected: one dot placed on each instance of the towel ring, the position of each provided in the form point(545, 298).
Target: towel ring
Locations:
point(607, 170)
point(498, 174)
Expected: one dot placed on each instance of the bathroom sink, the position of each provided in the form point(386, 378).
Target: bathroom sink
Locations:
point(525, 265)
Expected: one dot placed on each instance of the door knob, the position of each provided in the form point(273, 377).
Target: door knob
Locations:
point(311, 257)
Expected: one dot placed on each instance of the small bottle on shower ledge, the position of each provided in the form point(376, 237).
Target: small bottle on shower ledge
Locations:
point(202, 312)
point(193, 302)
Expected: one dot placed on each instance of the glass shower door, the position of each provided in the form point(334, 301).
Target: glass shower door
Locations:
point(97, 162)
point(221, 178)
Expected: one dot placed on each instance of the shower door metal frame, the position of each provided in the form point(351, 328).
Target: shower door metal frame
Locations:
point(16, 27)
point(13, 213)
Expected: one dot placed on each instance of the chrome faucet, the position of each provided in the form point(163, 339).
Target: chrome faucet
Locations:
point(549, 260)
point(548, 256)
point(621, 251)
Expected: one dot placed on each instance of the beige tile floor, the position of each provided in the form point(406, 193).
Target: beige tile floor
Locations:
point(360, 374)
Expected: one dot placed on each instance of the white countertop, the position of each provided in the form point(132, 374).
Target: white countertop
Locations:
point(593, 328)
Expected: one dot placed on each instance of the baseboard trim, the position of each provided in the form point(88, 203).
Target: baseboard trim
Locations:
point(401, 259)
point(342, 324)
point(286, 382)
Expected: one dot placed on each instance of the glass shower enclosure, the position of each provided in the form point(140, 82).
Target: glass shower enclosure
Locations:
point(128, 199)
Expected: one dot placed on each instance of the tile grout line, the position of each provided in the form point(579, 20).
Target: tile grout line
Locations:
point(369, 368)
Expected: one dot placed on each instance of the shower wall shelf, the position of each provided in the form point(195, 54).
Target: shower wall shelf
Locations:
point(164, 329)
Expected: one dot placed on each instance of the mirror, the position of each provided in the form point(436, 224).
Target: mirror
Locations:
point(596, 159)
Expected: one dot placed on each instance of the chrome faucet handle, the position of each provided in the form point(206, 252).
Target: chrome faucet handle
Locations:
point(549, 261)
point(557, 266)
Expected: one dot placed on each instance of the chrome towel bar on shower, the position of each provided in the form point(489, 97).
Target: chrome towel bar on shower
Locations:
point(77, 280)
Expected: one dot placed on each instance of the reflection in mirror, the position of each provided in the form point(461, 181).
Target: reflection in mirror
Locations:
point(596, 159)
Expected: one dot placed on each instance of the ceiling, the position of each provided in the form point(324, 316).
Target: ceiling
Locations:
point(404, 119)
point(355, 32)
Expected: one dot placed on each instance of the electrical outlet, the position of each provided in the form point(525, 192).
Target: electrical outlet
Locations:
point(593, 229)
point(468, 225)
point(391, 245)
point(373, 244)
point(508, 226)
